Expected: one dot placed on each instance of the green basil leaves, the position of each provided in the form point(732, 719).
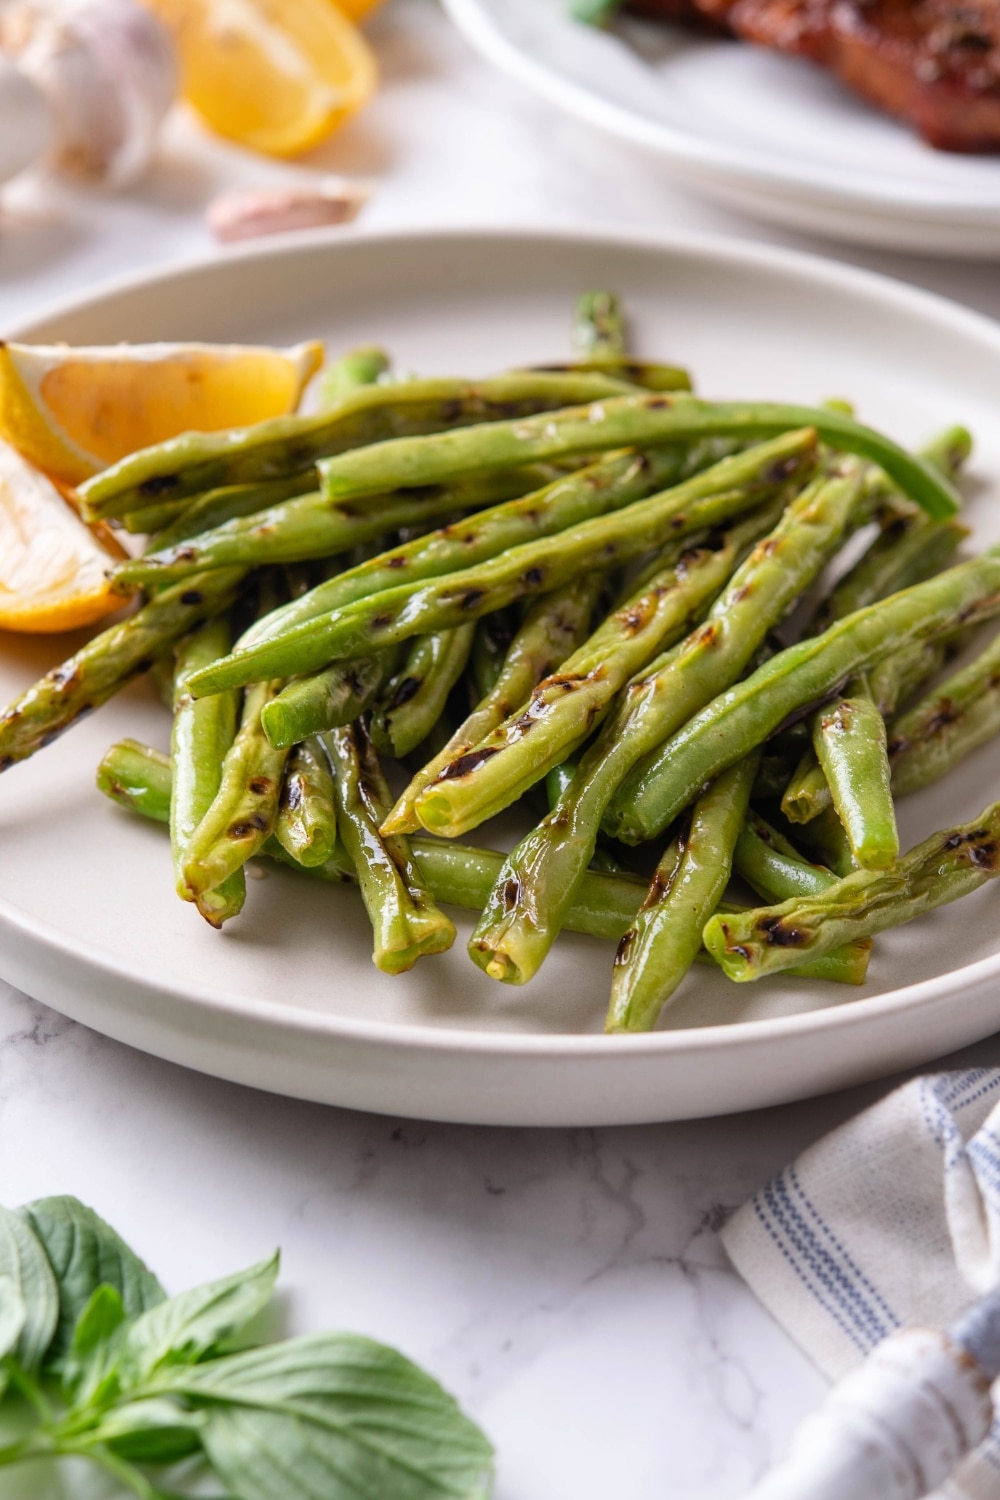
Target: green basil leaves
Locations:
point(148, 1388)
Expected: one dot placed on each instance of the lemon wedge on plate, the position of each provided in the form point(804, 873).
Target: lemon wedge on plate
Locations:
point(73, 411)
point(52, 566)
point(275, 75)
point(356, 10)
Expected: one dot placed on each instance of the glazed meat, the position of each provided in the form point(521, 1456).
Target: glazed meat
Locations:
point(933, 63)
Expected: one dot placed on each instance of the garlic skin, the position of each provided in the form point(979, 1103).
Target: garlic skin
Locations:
point(27, 128)
point(109, 71)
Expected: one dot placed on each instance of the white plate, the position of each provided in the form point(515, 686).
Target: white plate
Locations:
point(773, 136)
point(286, 998)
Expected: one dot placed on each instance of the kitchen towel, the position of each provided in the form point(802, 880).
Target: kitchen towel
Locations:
point(891, 1220)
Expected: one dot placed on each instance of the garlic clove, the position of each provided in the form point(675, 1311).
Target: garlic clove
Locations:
point(247, 213)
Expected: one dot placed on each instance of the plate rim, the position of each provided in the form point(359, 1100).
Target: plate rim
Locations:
point(738, 253)
point(691, 157)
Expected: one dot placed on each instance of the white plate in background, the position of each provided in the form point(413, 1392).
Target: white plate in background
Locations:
point(773, 136)
point(286, 998)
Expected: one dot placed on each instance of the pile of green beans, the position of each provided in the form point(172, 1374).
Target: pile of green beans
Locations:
point(428, 601)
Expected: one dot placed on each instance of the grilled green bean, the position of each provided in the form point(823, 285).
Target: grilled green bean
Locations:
point(516, 936)
point(564, 709)
point(945, 867)
point(414, 699)
point(310, 526)
point(621, 421)
point(306, 825)
point(105, 664)
point(850, 743)
point(599, 328)
point(358, 367)
point(326, 700)
point(773, 867)
point(955, 719)
point(201, 736)
point(603, 487)
point(196, 462)
point(458, 874)
point(726, 489)
point(176, 521)
point(806, 674)
point(406, 922)
point(658, 950)
point(554, 625)
point(243, 813)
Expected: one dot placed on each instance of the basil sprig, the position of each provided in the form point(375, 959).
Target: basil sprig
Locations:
point(97, 1362)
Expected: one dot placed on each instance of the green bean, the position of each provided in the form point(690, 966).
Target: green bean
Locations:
point(565, 707)
point(458, 874)
point(358, 367)
point(414, 699)
point(955, 719)
point(850, 742)
point(648, 375)
point(105, 664)
point(177, 521)
point(326, 700)
point(773, 867)
point(522, 572)
point(911, 549)
point(824, 835)
point(553, 626)
point(306, 825)
point(890, 683)
point(658, 950)
point(516, 936)
point(947, 866)
point(201, 736)
point(311, 526)
point(617, 422)
point(139, 778)
point(806, 674)
point(599, 328)
point(600, 488)
point(196, 462)
point(406, 922)
point(243, 814)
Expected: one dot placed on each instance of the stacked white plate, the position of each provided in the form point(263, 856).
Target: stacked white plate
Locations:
point(773, 136)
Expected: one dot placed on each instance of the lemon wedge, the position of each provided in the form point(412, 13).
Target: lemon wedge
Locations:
point(275, 75)
point(52, 567)
point(72, 411)
point(356, 10)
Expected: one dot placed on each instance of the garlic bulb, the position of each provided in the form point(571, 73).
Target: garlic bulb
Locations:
point(109, 72)
point(26, 124)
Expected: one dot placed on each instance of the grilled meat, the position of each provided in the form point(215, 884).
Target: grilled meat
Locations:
point(933, 63)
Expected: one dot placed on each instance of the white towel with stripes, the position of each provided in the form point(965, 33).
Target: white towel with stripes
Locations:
point(890, 1221)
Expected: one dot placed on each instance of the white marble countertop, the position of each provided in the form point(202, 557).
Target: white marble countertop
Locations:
point(568, 1286)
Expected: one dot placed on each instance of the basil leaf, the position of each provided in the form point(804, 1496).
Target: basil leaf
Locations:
point(336, 1416)
point(185, 1329)
point(24, 1262)
point(85, 1253)
point(95, 1351)
point(151, 1432)
point(13, 1316)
